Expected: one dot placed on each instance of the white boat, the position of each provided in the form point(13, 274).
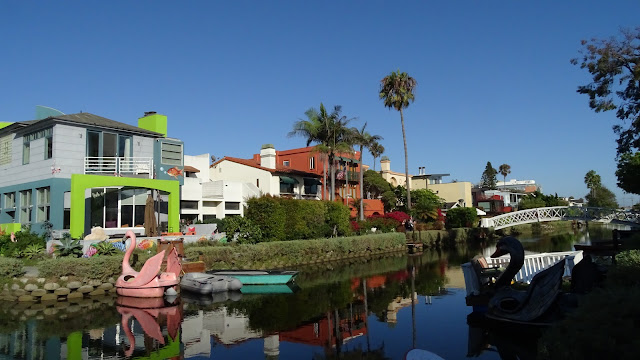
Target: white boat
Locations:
point(203, 283)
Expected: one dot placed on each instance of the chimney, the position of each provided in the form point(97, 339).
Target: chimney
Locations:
point(385, 164)
point(268, 156)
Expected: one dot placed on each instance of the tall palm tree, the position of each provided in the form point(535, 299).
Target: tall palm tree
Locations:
point(329, 131)
point(376, 149)
point(504, 169)
point(396, 89)
point(363, 139)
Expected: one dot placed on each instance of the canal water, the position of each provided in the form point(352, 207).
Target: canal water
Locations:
point(365, 309)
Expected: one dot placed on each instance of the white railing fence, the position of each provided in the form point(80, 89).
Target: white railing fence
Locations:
point(119, 166)
point(533, 264)
point(558, 213)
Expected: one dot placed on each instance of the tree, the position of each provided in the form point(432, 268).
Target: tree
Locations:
point(628, 173)
point(376, 150)
point(504, 169)
point(593, 181)
point(538, 199)
point(363, 139)
point(329, 131)
point(425, 205)
point(488, 179)
point(599, 195)
point(614, 65)
point(396, 90)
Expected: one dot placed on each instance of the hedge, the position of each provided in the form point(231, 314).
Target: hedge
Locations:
point(294, 252)
point(95, 267)
point(10, 267)
point(283, 219)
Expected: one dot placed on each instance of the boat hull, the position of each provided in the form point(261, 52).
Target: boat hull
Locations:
point(257, 277)
point(203, 283)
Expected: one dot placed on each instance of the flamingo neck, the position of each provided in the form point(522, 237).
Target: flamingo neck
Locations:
point(126, 268)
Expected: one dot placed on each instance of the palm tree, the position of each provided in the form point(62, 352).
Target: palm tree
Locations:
point(593, 181)
point(376, 149)
point(329, 131)
point(362, 138)
point(504, 169)
point(396, 89)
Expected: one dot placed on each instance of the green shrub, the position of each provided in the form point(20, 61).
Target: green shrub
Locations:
point(304, 220)
point(68, 247)
point(242, 229)
point(337, 219)
point(280, 253)
point(33, 251)
point(268, 214)
point(461, 217)
point(24, 239)
point(10, 267)
point(106, 248)
point(96, 267)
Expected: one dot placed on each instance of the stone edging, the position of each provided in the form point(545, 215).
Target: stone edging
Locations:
point(27, 289)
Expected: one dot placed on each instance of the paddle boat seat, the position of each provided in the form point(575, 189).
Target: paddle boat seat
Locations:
point(485, 273)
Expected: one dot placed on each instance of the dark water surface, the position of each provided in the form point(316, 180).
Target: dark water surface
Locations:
point(357, 310)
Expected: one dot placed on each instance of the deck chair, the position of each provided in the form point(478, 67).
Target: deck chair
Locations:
point(485, 273)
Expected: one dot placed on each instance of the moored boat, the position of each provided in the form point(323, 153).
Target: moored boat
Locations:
point(258, 277)
point(203, 283)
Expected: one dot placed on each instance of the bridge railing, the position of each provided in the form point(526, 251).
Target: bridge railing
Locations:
point(554, 213)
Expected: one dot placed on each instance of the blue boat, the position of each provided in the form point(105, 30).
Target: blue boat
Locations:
point(259, 277)
point(270, 289)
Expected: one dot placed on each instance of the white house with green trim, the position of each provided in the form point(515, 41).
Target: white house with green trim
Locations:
point(82, 170)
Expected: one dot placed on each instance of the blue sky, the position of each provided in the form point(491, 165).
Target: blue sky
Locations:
point(494, 78)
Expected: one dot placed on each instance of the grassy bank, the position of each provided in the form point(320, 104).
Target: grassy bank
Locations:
point(443, 238)
point(278, 254)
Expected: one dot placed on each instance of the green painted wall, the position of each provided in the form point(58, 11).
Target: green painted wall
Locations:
point(154, 122)
point(4, 124)
point(11, 227)
point(79, 183)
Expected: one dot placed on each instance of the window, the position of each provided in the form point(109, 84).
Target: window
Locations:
point(258, 182)
point(25, 206)
point(171, 154)
point(48, 147)
point(5, 150)
point(231, 205)
point(44, 204)
point(312, 162)
point(188, 205)
point(207, 218)
point(9, 200)
point(286, 188)
point(285, 163)
point(26, 153)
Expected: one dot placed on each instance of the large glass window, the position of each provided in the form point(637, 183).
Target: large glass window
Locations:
point(124, 146)
point(97, 207)
point(132, 207)
point(25, 206)
point(93, 144)
point(44, 204)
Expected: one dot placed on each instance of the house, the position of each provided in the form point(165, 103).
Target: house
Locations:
point(204, 198)
point(513, 185)
point(266, 173)
point(454, 192)
point(82, 170)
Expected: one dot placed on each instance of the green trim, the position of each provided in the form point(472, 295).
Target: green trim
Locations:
point(11, 227)
point(288, 180)
point(74, 345)
point(171, 350)
point(79, 183)
point(4, 124)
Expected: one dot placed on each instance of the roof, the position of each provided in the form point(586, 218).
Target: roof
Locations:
point(252, 163)
point(99, 121)
point(87, 119)
point(189, 168)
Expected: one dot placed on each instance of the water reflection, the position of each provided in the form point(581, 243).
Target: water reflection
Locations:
point(365, 309)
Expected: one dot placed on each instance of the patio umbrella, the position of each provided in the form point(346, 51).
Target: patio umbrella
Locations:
point(150, 225)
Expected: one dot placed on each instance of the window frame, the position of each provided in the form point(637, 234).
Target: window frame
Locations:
point(26, 207)
point(44, 206)
point(312, 163)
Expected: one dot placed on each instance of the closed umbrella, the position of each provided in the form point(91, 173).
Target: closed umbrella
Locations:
point(150, 225)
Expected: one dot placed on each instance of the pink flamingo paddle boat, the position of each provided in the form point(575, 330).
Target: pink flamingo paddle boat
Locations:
point(148, 283)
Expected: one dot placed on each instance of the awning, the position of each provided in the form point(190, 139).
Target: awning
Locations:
point(312, 181)
point(288, 180)
point(188, 168)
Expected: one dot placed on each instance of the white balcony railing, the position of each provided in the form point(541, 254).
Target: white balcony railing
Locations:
point(117, 166)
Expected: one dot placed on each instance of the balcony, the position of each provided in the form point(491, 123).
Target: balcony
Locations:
point(140, 167)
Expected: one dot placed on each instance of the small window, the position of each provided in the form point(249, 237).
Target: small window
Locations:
point(25, 206)
point(9, 200)
point(285, 163)
point(258, 182)
point(48, 147)
point(189, 205)
point(44, 204)
point(171, 154)
point(26, 153)
point(312, 163)
point(231, 205)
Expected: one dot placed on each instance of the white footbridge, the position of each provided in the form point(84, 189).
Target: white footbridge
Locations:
point(557, 213)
